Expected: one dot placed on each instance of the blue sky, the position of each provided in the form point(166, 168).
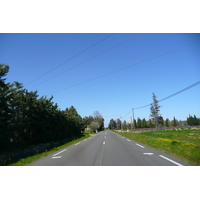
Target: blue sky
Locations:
point(32, 55)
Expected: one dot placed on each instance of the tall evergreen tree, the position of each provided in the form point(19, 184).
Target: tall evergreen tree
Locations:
point(139, 123)
point(154, 112)
point(174, 122)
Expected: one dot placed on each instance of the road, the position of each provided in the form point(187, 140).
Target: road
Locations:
point(108, 149)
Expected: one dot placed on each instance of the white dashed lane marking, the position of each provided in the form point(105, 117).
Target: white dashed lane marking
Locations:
point(77, 143)
point(139, 145)
point(56, 157)
point(59, 152)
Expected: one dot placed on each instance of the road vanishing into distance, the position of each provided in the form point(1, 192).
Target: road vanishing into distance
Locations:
point(108, 149)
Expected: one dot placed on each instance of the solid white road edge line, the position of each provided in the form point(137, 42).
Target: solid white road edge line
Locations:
point(139, 145)
point(57, 157)
point(59, 152)
point(170, 160)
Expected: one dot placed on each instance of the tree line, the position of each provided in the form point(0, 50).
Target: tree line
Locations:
point(156, 120)
point(143, 123)
point(27, 119)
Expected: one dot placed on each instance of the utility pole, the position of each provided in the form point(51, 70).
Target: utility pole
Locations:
point(133, 120)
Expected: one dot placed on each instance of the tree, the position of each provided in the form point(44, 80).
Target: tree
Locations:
point(154, 112)
point(25, 119)
point(161, 121)
point(139, 123)
point(174, 122)
point(150, 124)
point(192, 121)
point(4, 107)
point(98, 118)
point(119, 124)
point(144, 123)
point(94, 126)
point(167, 122)
point(124, 125)
point(112, 124)
point(135, 123)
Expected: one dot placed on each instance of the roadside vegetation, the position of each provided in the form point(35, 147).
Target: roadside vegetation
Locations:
point(181, 143)
point(31, 124)
point(30, 159)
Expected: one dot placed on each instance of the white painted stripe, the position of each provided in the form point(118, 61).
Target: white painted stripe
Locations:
point(104, 142)
point(59, 152)
point(139, 145)
point(129, 140)
point(77, 143)
point(85, 140)
point(170, 160)
point(122, 137)
point(148, 153)
point(57, 157)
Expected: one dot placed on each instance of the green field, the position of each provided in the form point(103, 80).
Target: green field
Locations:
point(182, 144)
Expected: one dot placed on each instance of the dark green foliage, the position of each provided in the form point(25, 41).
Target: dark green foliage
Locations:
point(167, 122)
point(112, 124)
point(192, 121)
point(27, 119)
point(174, 122)
point(139, 123)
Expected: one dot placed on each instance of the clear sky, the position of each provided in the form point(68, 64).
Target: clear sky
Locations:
point(32, 55)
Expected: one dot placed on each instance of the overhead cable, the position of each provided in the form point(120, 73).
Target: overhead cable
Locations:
point(176, 93)
point(88, 59)
point(70, 58)
point(92, 79)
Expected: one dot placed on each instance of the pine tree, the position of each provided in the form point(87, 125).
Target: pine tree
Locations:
point(154, 110)
point(174, 122)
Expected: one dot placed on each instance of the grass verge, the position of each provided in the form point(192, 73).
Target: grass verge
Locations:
point(30, 159)
point(182, 144)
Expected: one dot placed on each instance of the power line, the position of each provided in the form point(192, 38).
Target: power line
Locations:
point(88, 59)
point(70, 58)
point(176, 93)
point(127, 113)
point(183, 90)
point(126, 68)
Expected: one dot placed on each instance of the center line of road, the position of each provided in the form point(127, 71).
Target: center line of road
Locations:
point(77, 143)
point(59, 152)
point(139, 145)
point(170, 160)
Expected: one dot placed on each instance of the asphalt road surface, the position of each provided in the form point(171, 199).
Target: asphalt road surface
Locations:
point(108, 149)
